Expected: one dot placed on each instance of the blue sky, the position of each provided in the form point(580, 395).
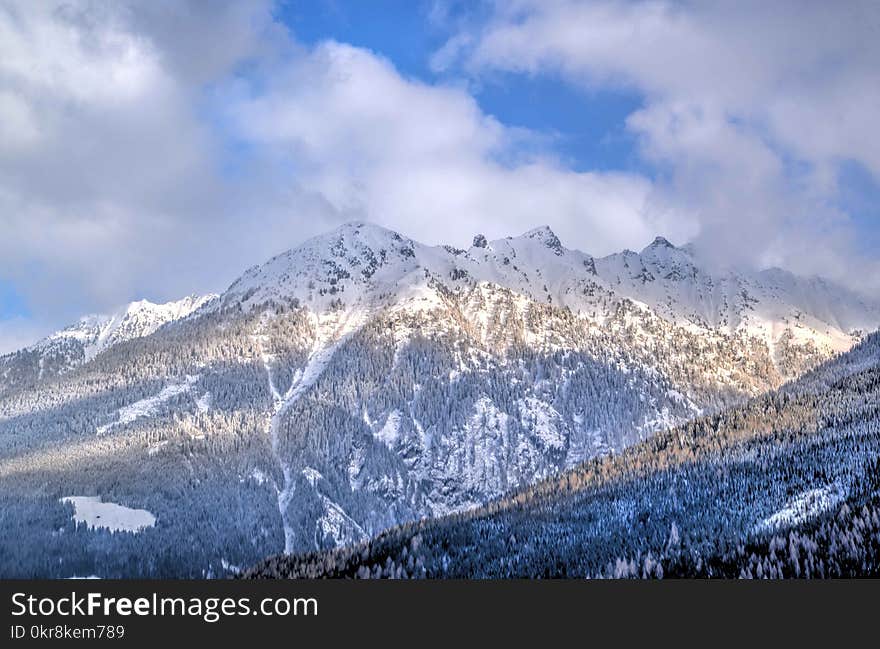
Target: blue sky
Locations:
point(11, 303)
point(151, 150)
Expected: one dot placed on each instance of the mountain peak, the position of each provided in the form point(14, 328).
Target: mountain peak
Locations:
point(349, 262)
point(661, 247)
point(661, 242)
point(546, 236)
point(357, 226)
point(539, 232)
point(357, 235)
point(166, 311)
point(92, 334)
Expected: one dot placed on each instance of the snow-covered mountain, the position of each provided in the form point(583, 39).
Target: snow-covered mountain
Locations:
point(363, 379)
point(95, 333)
point(92, 334)
point(365, 267)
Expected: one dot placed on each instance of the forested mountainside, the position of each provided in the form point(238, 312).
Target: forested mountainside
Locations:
point(785, 486)
point(364, 380)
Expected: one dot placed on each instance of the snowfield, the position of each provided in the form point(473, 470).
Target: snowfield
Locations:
point(149, 406)
point(805, 506)
point(116, 518)
point(390, 432)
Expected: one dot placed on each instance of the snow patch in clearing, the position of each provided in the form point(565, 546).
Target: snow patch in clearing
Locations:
point(203, 403)
point(257, 476)
point(116, 518)
point(804, 506)
point(312, 475)
point(148, 407)
point(390, 432)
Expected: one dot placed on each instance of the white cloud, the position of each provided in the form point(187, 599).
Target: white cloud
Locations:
point(111, 173)
point(751, 107)
point(424, 159)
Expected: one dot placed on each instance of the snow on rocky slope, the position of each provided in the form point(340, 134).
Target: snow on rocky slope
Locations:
point(364, 266)
point(771, 304)
point(361, 266)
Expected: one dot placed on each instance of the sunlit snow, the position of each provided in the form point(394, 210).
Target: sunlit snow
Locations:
point(805, 506)
point(149, 406)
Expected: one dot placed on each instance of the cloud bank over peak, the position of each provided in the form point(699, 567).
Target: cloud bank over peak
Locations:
point(750, 109)
point(424, 159)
